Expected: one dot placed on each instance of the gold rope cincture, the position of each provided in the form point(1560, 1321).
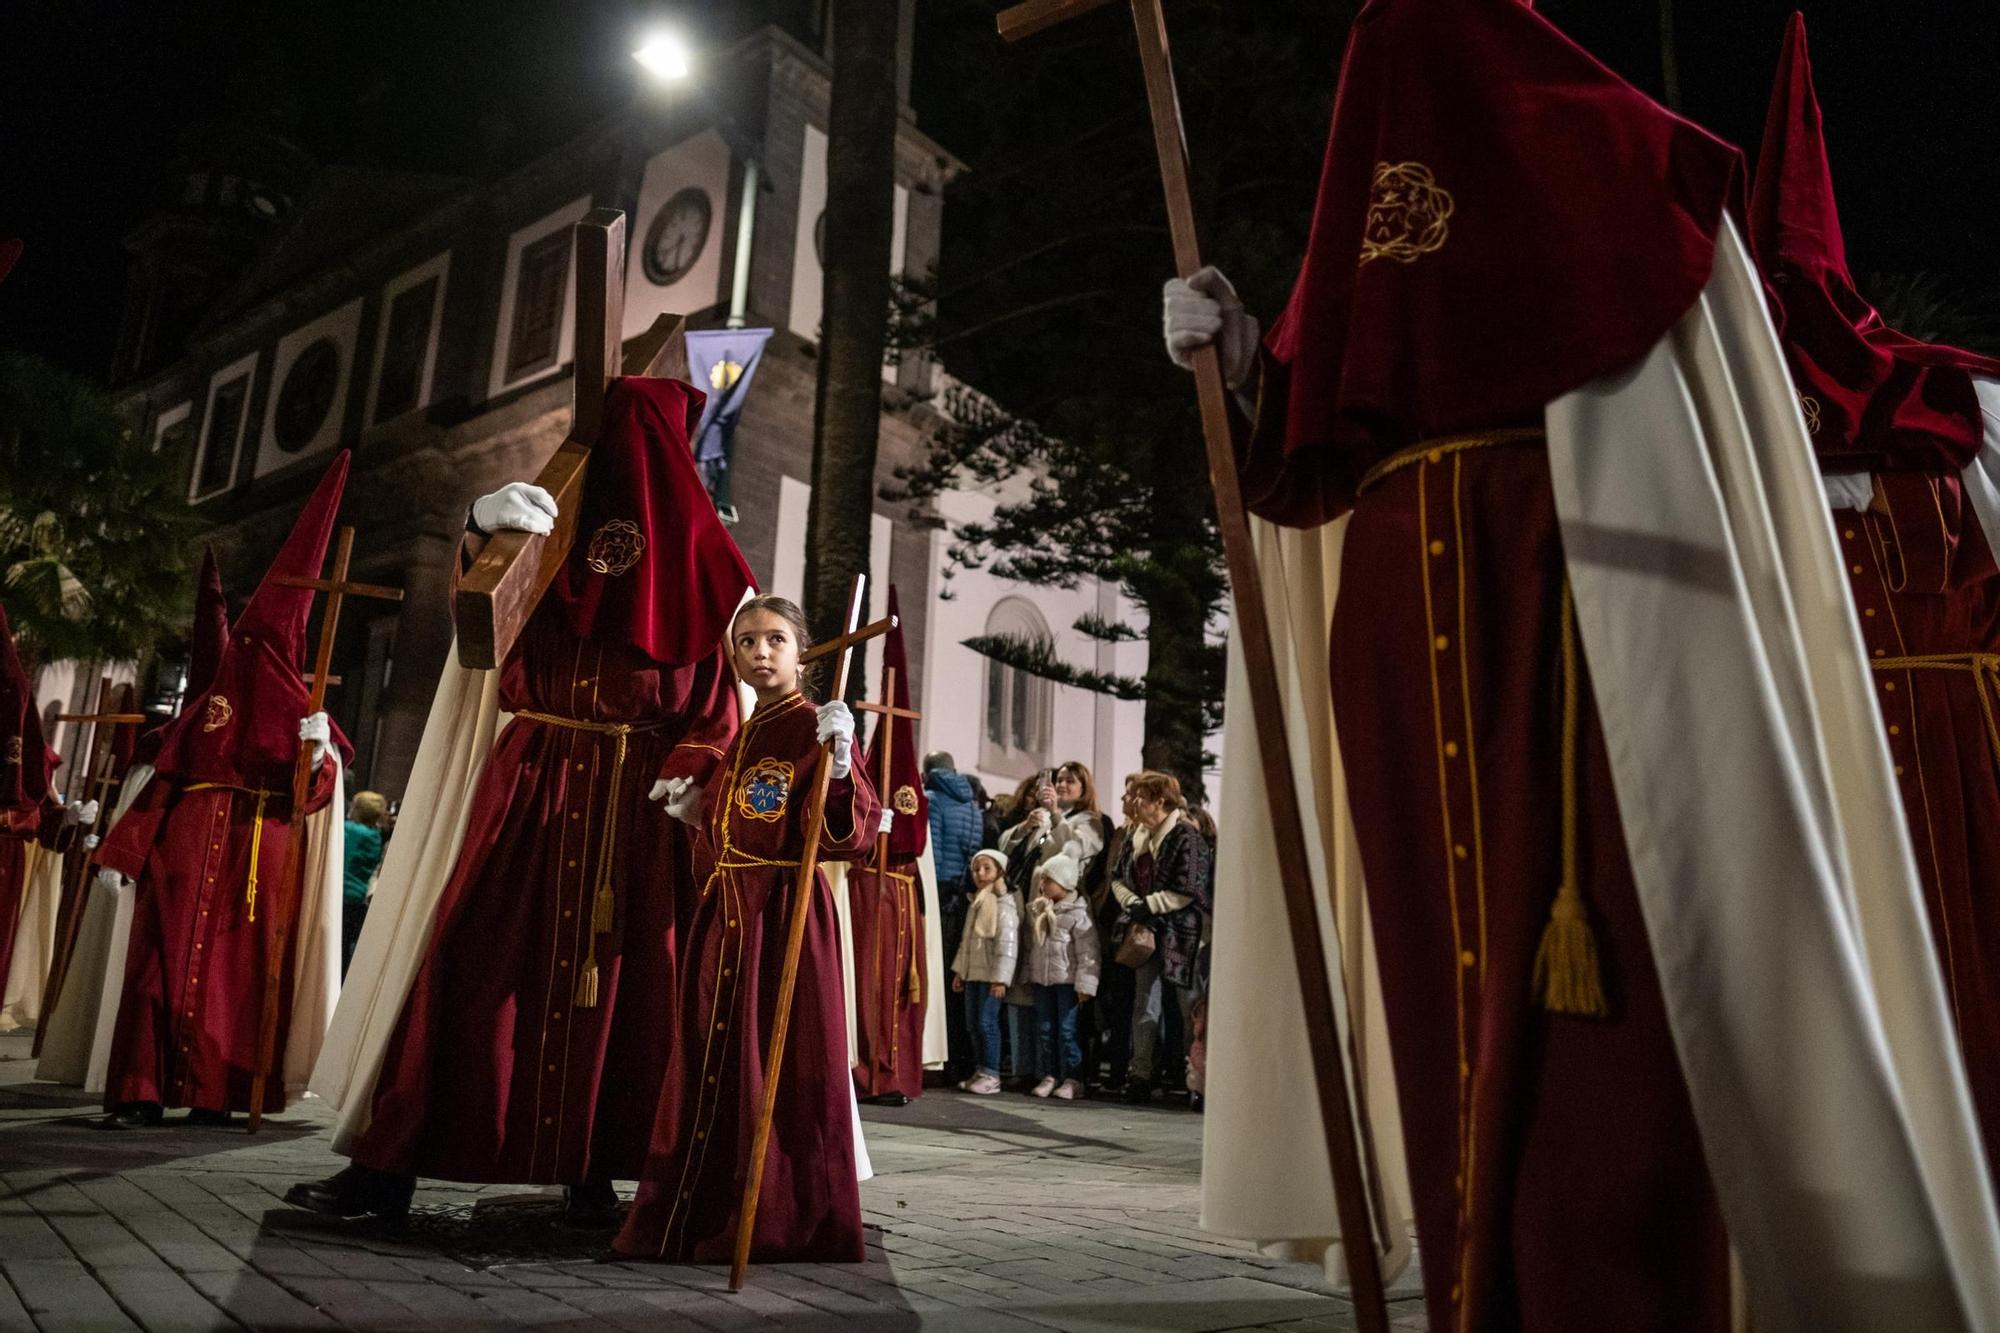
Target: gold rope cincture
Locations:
point(603, 904)
point(256, 833)
point(914, 980)
point(1984, 669)
point(1566, 978)
point(1432, 451)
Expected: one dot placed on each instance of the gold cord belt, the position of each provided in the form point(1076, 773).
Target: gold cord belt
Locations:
point(914, 980)
point(256, 831)
point(1435, 450)
point(1984, 668)
point(602, 904)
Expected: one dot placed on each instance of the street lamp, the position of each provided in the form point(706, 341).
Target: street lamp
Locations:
point(665, 56)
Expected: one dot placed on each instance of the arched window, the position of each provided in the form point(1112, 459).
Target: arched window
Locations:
point(1015, 738)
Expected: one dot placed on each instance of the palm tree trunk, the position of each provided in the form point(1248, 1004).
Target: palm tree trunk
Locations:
point(860, 192)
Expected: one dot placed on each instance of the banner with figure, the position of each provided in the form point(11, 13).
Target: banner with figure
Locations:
point(722, 363)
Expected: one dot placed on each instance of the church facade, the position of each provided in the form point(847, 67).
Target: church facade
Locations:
point(426, 323)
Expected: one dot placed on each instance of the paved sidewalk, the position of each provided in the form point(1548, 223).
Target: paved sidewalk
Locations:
point(986, 1213)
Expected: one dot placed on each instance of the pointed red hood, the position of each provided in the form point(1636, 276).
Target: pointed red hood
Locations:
point(26, 765)
point(242, 727)
point(210, 634)
point(652, 566)
point(1874, 399)
point(1500, 219)
point(905, 792)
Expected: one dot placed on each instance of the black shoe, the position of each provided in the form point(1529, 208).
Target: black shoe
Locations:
point(132, 1115)
point(889, 1099)
point(1197, 1103)
point(591, 1206)
point(1138, 1092)
point(210, 1119)
point(358, 1191)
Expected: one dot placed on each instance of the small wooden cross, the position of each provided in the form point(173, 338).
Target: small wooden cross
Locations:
point(513, 569)
point(291, 881)
point(885, 743)
point(1345, 1126)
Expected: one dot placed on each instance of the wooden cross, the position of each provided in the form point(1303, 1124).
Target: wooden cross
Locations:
point(802, 895)
point(97, 783)
point(513, 569)
point(284, 900)
point(1343, 1125)
point(885, 741)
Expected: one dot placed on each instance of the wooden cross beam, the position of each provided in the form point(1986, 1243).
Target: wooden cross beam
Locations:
point(1342, 1121)
point(802, 896)
point(97, 781)
point(291, 880)
point(512, 570)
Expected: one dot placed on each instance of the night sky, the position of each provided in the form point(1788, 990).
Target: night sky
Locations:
point(98, 95)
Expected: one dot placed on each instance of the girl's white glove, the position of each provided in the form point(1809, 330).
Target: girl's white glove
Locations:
point(108, 879)
point(888, 819)
point(83, 812)
point(519, 506)
point(1205, 309)
point(682, 797)
point(837, 724)
point(90, 841)
point(317, 730)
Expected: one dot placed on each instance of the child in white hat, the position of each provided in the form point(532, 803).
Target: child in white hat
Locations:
point(1060, 959)
point(985, 964)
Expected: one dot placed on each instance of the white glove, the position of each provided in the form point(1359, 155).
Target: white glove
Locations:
point(1205, 309)
point(1850, 490)
point(837, 724)
point(682, 797)
point(90, 841)
point(317, 730)
point(518, 506)
point(82, 812)
point(888, 819)
point(108, 879)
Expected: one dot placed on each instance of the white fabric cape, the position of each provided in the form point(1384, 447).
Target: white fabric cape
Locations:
point(1767, 841)
point(1982, 475)
point(1792, 948)
point(34, 939)
point(76, 1048)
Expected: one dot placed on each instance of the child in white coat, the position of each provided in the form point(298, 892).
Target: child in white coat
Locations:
point(987, 953)
point(1060, 960)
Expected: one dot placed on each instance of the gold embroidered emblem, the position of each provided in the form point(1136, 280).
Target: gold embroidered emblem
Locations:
point(1810, 406)
point(765, 790)
point(1407, 210)
point(616, 547)
point(13, 752)
point(219, 713)
point(906, 800)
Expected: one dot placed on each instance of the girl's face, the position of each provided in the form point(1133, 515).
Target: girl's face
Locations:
point(984, 873)
point(765, 649)
point(1052, 890)
point(1069, 787)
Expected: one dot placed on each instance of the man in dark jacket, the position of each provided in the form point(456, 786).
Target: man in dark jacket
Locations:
point(957, 831)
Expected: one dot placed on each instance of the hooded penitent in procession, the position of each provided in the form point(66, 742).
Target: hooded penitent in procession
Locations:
point(886, 907)
point(1597, 678)
point(207, 843)
point(1895, 422)
point(507, 1009)
point(76, 1048)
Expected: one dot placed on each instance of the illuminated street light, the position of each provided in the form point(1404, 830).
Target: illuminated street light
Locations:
point(665, 56)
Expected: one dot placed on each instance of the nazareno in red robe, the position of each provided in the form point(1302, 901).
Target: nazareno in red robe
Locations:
point(29, 811)
point(207, 843)
point(1918, 563)
point(537, 1030)
point(885, 909)
point(1500, 220)
point(753, 835)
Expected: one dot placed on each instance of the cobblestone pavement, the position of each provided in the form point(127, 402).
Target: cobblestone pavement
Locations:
point(986, 1213)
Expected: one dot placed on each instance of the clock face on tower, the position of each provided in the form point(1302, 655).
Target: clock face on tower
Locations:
point(676, 238)
point(307, 395)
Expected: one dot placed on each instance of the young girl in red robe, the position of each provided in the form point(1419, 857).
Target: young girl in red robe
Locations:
point(751, 836)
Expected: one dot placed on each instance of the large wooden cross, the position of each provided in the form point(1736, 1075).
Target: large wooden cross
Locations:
point(1338, 1113)
point(284, 903)
point(513, 569)
point(802, 896)
point(96, 786)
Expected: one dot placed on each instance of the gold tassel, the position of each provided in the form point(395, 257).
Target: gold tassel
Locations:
point(601, 907)
point(1567, 978)
point(916, 974)
point(586, 983)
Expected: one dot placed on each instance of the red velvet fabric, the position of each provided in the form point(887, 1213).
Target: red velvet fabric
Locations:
point(493, 1073)
point(652, 568)
point(1874, 399)
point(1500, 219)
point(243, 728)
point(810, 1206)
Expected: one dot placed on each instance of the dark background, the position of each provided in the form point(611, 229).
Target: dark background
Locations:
point(98, 95)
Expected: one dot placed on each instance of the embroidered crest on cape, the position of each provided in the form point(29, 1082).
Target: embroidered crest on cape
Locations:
point(219, 713)
point(765, 789)
point(1407, 211)
point(13, 752)
point(906, 800)
point(1810, 406)
point(616, 547)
